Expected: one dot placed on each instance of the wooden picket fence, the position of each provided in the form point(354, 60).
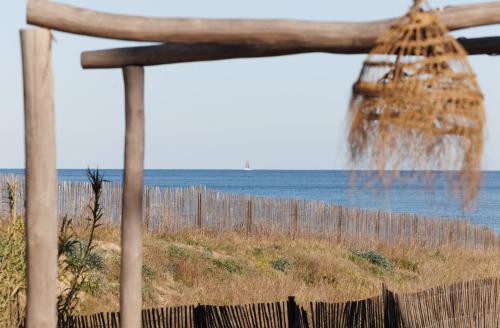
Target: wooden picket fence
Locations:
point(168, 210)
point(275, 315)
point(363, 313)
point(460, 305)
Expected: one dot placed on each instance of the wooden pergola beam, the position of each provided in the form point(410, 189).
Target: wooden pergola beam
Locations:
point(482, 46)
point(183, 53)
point(338, 36)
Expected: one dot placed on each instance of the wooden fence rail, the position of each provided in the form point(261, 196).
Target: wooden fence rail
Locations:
point(460, 305)
point(168, 210)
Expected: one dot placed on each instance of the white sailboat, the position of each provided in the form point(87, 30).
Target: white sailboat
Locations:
point(247, 166)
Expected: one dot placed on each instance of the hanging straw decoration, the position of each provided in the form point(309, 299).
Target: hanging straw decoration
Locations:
point(417, 104)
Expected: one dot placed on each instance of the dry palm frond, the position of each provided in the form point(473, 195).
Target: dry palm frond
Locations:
point(417, 104)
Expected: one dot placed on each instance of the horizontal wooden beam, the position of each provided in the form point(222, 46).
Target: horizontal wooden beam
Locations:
point(338, 36)
point(482, 46)
point(182, 53)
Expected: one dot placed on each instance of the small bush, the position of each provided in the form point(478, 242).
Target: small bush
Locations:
point(228, 265)
point(438, 256)
point(148, 272)
point(374, 258)
point(177, 252)
point(77, 257)
point(409, 265)
point(257, 252)
point(74, 254)
point(281, 264)
point(92, 284)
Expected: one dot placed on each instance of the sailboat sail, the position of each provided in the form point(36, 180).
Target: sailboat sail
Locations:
point(247, 166)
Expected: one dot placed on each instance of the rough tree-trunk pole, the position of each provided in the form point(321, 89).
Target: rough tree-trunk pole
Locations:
point(41, 178)
point(131, 229)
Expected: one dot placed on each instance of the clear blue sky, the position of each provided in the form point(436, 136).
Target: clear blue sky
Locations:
point(280, 113)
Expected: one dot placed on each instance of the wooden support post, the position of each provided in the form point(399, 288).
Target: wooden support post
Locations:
point(131, 229)
point(41, 178)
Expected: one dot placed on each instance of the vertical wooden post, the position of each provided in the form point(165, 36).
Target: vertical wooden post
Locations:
point(339, 224)
point(295, 220)
point(377, 226)
point(147, 217)
point(41, 178)
point(133, 185)
point(198, 211)
point(249, 222)
point(292, 313)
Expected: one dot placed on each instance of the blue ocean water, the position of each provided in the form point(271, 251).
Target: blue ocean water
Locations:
point(411, 195)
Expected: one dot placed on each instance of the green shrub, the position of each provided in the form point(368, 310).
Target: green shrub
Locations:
point(438, 256)
point(148, 272)
point(281, 264)
point(177, 252)
point(257, 252)
point(74, 254)
point(409, 265)
point(373, 257)
point(228, 265)
point(78, 259)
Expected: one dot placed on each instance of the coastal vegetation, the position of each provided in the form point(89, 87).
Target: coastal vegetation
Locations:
point(210, 266)
point(77, 258)
point(197, 266)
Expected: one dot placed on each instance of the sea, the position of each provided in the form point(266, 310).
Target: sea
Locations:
point(409, 193)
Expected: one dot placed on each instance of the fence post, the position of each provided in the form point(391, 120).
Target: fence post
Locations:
point(147, 218)
point(295, 220)
point(249, 217)
point(339, 225)
point(391, 309)
point(41, 178)
point(200, 317)
point(292, 312)
point(131, 228)
point(377, 227)
point(198, 212)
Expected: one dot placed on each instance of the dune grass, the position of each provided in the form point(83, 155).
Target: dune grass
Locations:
point(193, 267)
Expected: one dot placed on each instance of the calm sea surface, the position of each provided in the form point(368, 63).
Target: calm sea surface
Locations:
point(329, 186)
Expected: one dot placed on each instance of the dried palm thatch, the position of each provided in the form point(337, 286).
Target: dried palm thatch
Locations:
point(417, 104)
